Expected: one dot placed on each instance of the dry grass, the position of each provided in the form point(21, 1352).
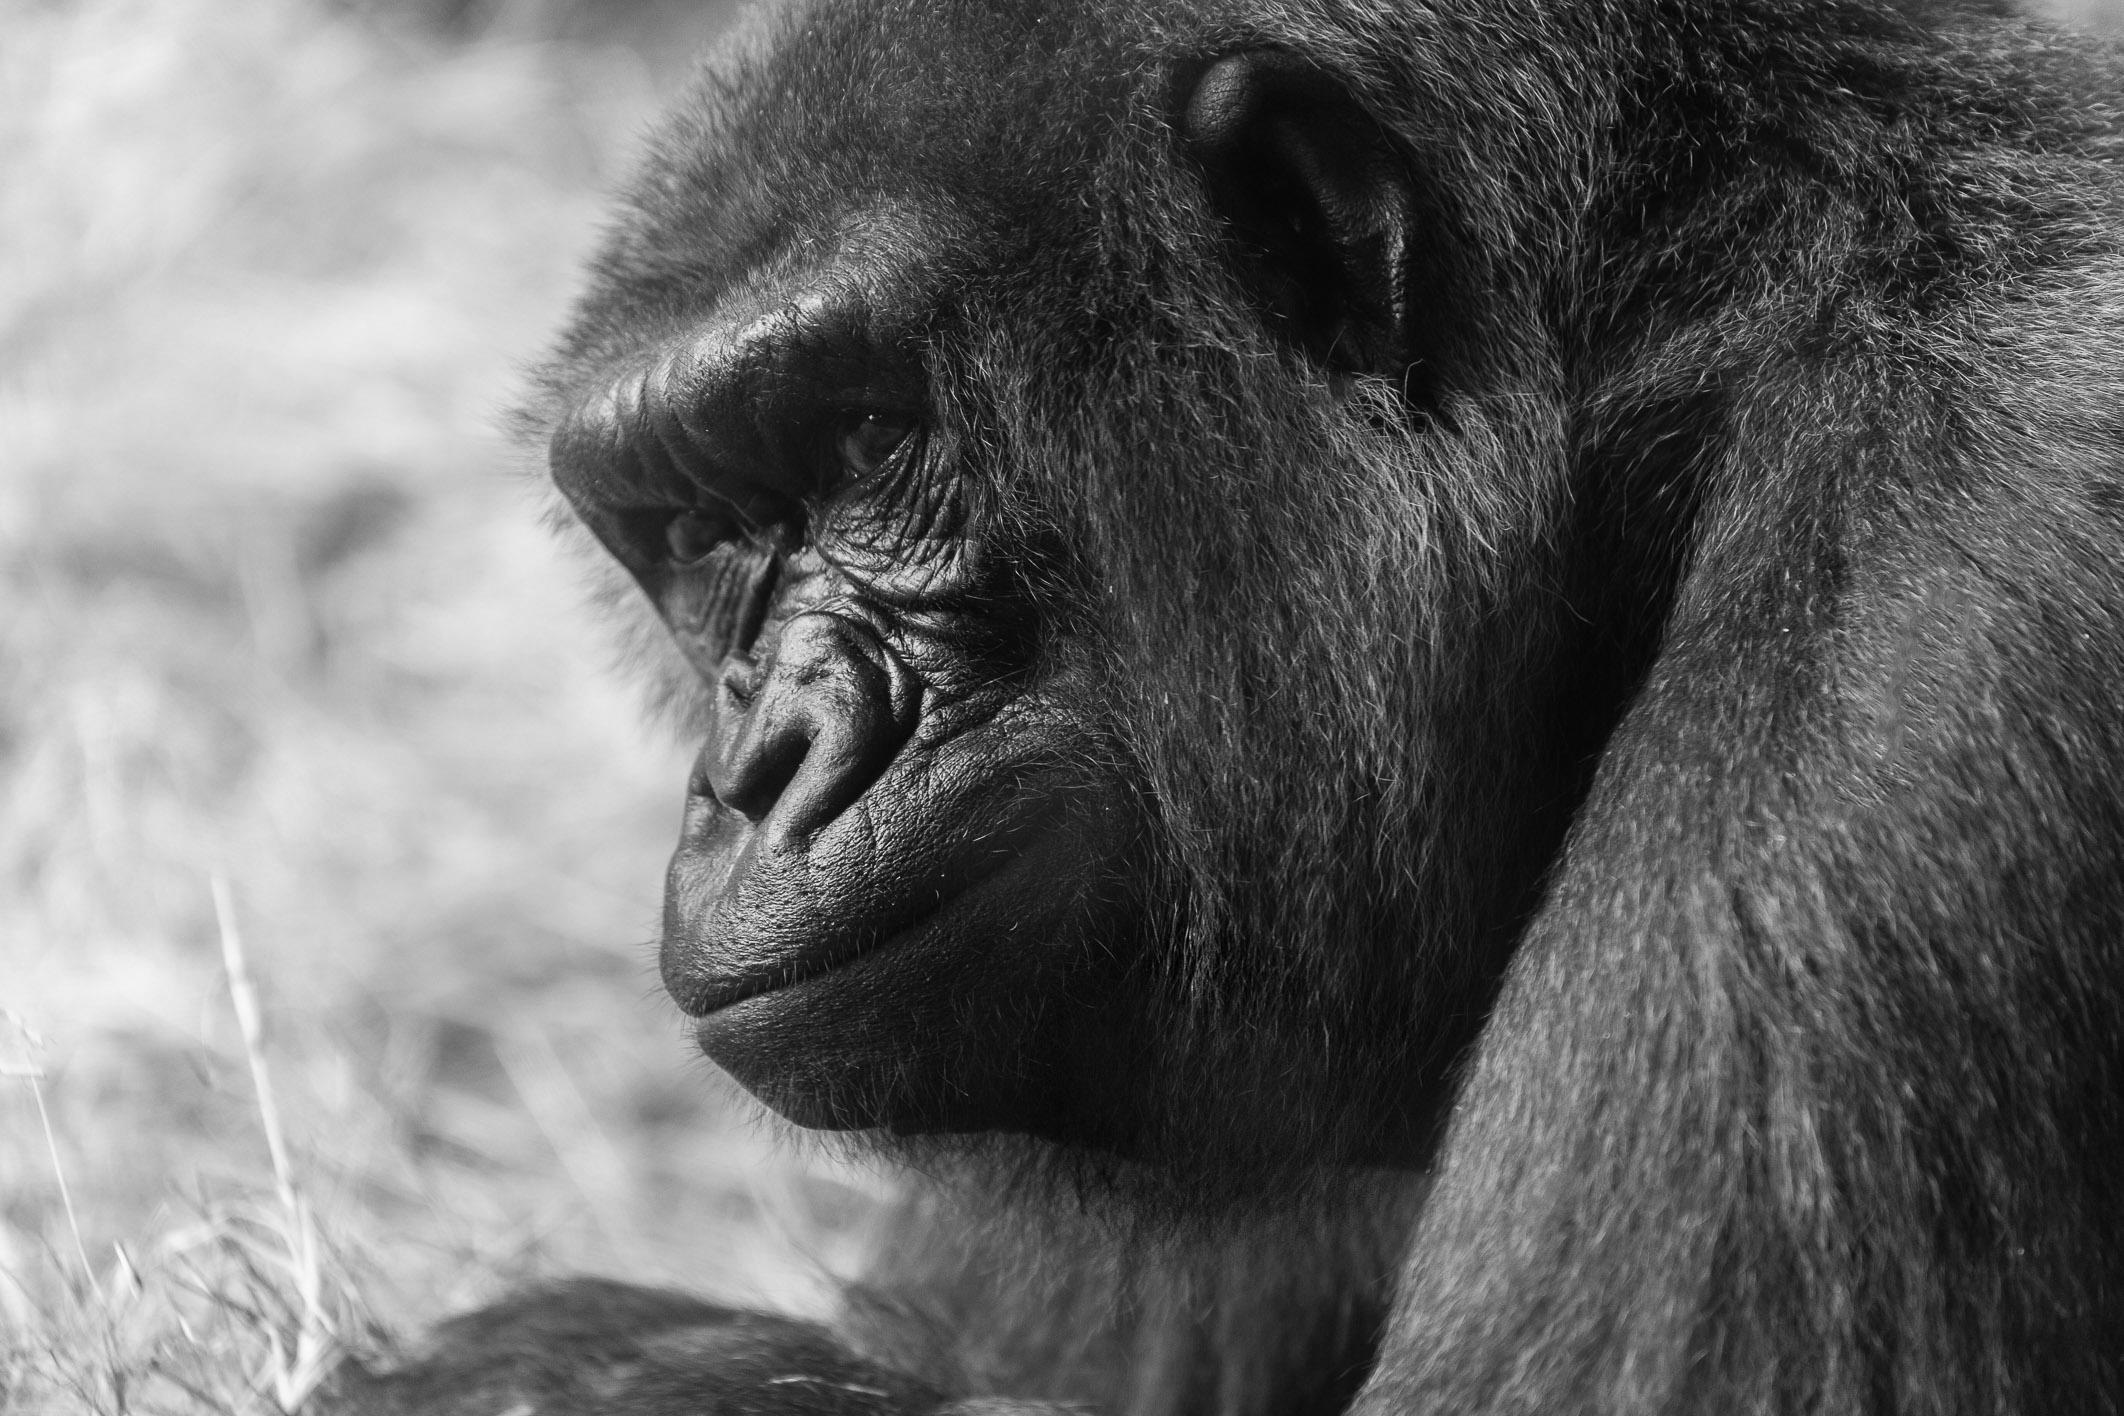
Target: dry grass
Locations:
point(278, 613)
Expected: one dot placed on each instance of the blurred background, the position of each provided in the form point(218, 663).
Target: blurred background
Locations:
point(291, 677)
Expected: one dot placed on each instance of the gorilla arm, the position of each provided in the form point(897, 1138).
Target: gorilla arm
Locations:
point(587, 1346)
point(1808, 1051)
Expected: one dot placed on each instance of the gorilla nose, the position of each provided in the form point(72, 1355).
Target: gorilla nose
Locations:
point(797, 736)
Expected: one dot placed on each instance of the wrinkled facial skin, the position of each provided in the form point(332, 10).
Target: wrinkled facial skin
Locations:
point(891, 872)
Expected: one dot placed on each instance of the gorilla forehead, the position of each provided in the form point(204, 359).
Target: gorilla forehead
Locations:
point(993, 123)
point(799, 131)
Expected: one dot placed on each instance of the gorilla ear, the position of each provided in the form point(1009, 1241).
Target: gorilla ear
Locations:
point(1317, 193)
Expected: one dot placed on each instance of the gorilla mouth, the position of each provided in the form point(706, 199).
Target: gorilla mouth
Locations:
point(749, 913)
point(704, 998)
point(701, 997)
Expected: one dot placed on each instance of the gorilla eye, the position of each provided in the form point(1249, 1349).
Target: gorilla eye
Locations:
point(867, 442)
point(690, 536)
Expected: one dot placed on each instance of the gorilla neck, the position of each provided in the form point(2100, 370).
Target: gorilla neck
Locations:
point(1264, 1307)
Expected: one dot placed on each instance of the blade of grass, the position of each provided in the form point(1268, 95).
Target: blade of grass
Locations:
point(296, 1374)
point(33, 1073)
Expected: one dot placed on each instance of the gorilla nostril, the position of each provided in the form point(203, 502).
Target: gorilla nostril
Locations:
point(751, 778)
point(805, 737)
point(762, 732)
point(738, 683)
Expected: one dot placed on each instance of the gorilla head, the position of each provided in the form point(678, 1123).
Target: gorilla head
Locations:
point(1113, 518)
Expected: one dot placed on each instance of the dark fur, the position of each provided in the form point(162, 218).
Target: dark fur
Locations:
point(1703, 689)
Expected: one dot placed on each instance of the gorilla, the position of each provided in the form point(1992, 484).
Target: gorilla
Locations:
point(1428, 694)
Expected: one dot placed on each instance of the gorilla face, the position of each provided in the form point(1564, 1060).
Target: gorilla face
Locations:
point(1083, 595)
point(898, 852)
